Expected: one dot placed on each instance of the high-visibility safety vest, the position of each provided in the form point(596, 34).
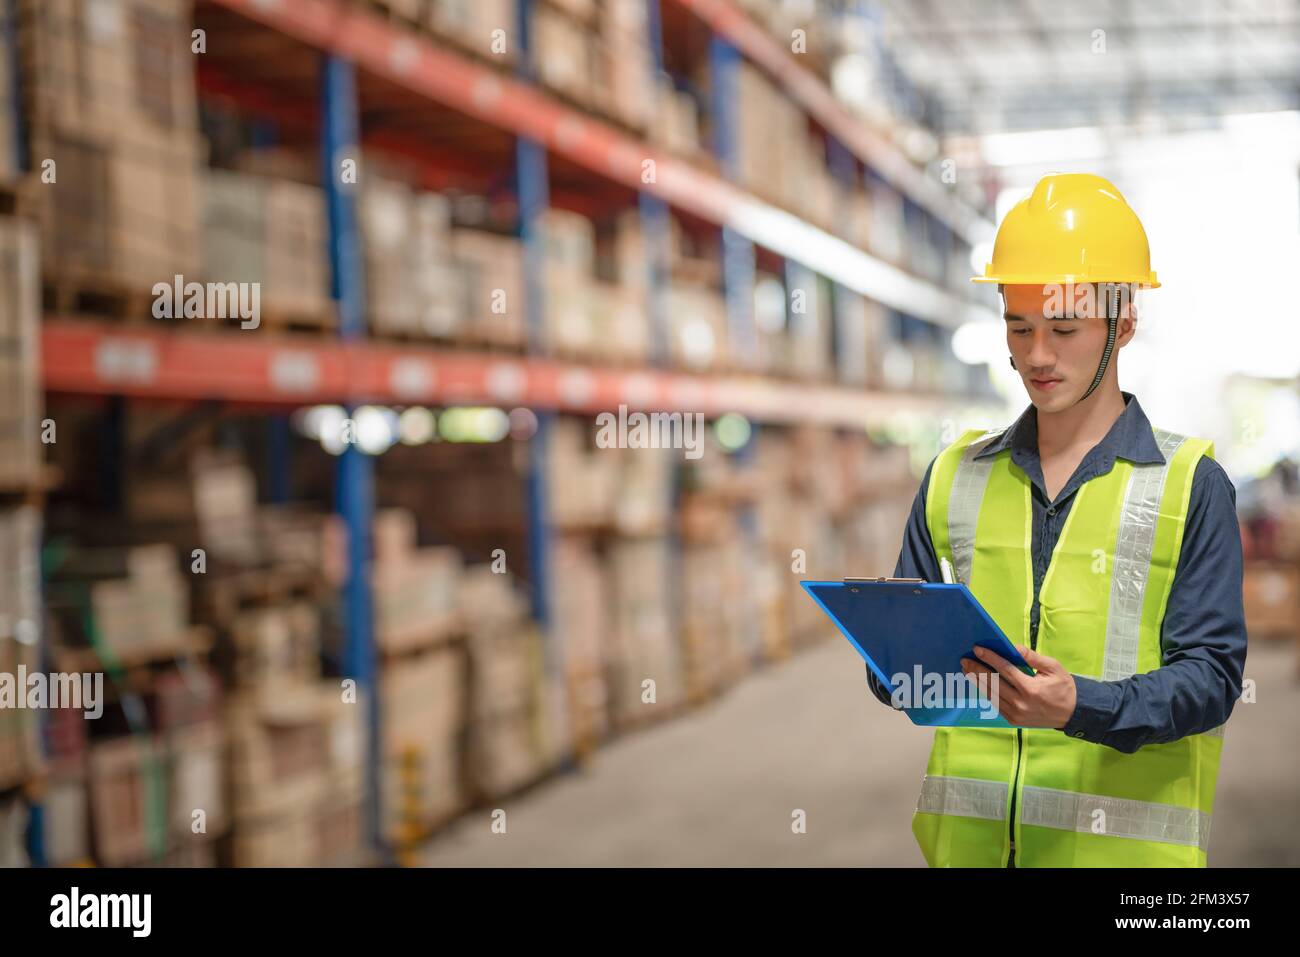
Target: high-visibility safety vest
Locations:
point(1065, 802)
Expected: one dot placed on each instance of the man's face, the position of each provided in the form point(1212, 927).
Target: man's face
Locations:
point(1057, 357)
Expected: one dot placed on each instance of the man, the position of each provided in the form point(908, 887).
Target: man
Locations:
point(1107, 550)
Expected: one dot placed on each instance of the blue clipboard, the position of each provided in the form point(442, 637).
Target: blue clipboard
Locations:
point(920, 629)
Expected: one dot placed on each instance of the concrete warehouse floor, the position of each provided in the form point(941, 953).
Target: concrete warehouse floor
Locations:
point(718, 786)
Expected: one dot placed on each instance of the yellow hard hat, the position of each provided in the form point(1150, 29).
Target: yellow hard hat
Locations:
point(1073, 228)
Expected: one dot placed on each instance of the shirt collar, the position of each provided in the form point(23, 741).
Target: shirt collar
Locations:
point(1130, 437)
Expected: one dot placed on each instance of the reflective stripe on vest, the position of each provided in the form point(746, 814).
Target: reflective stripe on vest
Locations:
point(1101, 603)
point(1067, 810)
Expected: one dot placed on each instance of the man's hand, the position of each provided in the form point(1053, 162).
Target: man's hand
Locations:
point(1042, 700)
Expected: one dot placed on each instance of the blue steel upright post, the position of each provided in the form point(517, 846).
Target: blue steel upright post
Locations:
point(654, 212)
point(737, 250)
point(354, 486)
point(534, 196)
point(738, 274)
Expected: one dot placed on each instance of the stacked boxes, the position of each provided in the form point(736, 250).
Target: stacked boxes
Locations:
point(138, 602)
point(643, 645)
point(580, 626)
point(780, 160)
point(410, 282)
point(491, 268)
point(149, 795)
point(20, 616)
point(506, 688)
point(275, 646)
point(566, 56)
point(268, 231)
point(624, 60)
point(583, 479)
point(297, 776)
point(128, 800)
point(113, 113)
point(474, 23)
point(697, 316)
point(422, 697)
point(414, 588)
point(20, 388)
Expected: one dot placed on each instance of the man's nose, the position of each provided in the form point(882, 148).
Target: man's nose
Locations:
point(1041, 355)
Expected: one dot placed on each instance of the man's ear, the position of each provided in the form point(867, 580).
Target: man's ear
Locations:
point(1126, 327)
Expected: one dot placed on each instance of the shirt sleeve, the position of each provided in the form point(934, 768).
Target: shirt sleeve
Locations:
point(1203, 638)
point(916, 559)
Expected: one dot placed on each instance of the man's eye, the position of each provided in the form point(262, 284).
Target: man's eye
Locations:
point(1065, 332)
point(1020, 332)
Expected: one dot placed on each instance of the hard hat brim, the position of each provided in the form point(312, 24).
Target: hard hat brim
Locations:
point(1146, 282)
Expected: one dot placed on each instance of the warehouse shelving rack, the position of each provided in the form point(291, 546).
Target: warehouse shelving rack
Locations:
point(361, 54)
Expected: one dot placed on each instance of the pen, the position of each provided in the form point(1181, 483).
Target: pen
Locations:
point(946, 568)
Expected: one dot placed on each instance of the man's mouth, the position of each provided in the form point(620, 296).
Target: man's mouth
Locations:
point(1045, 384)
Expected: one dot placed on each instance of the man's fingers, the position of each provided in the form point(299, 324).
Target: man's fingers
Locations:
point(1008, 672)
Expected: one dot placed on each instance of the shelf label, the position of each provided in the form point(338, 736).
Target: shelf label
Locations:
point(638, 390)
point(403, 55)
point(505, 381)
point(411, 378)
point(576, 387)
point(487, 90)
point(294, 372)
point(124, 360)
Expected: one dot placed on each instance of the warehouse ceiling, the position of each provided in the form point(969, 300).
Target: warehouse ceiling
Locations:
point(986, 66)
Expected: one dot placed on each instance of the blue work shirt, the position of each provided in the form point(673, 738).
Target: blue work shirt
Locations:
point(1203, 636)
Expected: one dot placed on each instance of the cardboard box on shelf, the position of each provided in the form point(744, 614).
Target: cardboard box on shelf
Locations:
point(119, 68)
point(125, 216)
point(234, 227)
point(196, 781)
point(580, 617)
point(698, 326)
point(422, 697)
point(473, 23)
point(503, 754)
point(643, 645)
point(491, 273)
point(67, 816)
point(290, 748)
point(415, 599)
point(128, 800)
point(583, 480)
point(564, 55)
point(275, 646)
point(570, 245)
point(21, 396)
point(297, 280)
point(185, 697)
point(410, 282)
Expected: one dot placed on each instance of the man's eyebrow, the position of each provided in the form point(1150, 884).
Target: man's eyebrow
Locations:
point(1010, 318)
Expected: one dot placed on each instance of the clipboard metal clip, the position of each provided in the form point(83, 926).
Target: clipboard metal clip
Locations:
point(910, 581)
